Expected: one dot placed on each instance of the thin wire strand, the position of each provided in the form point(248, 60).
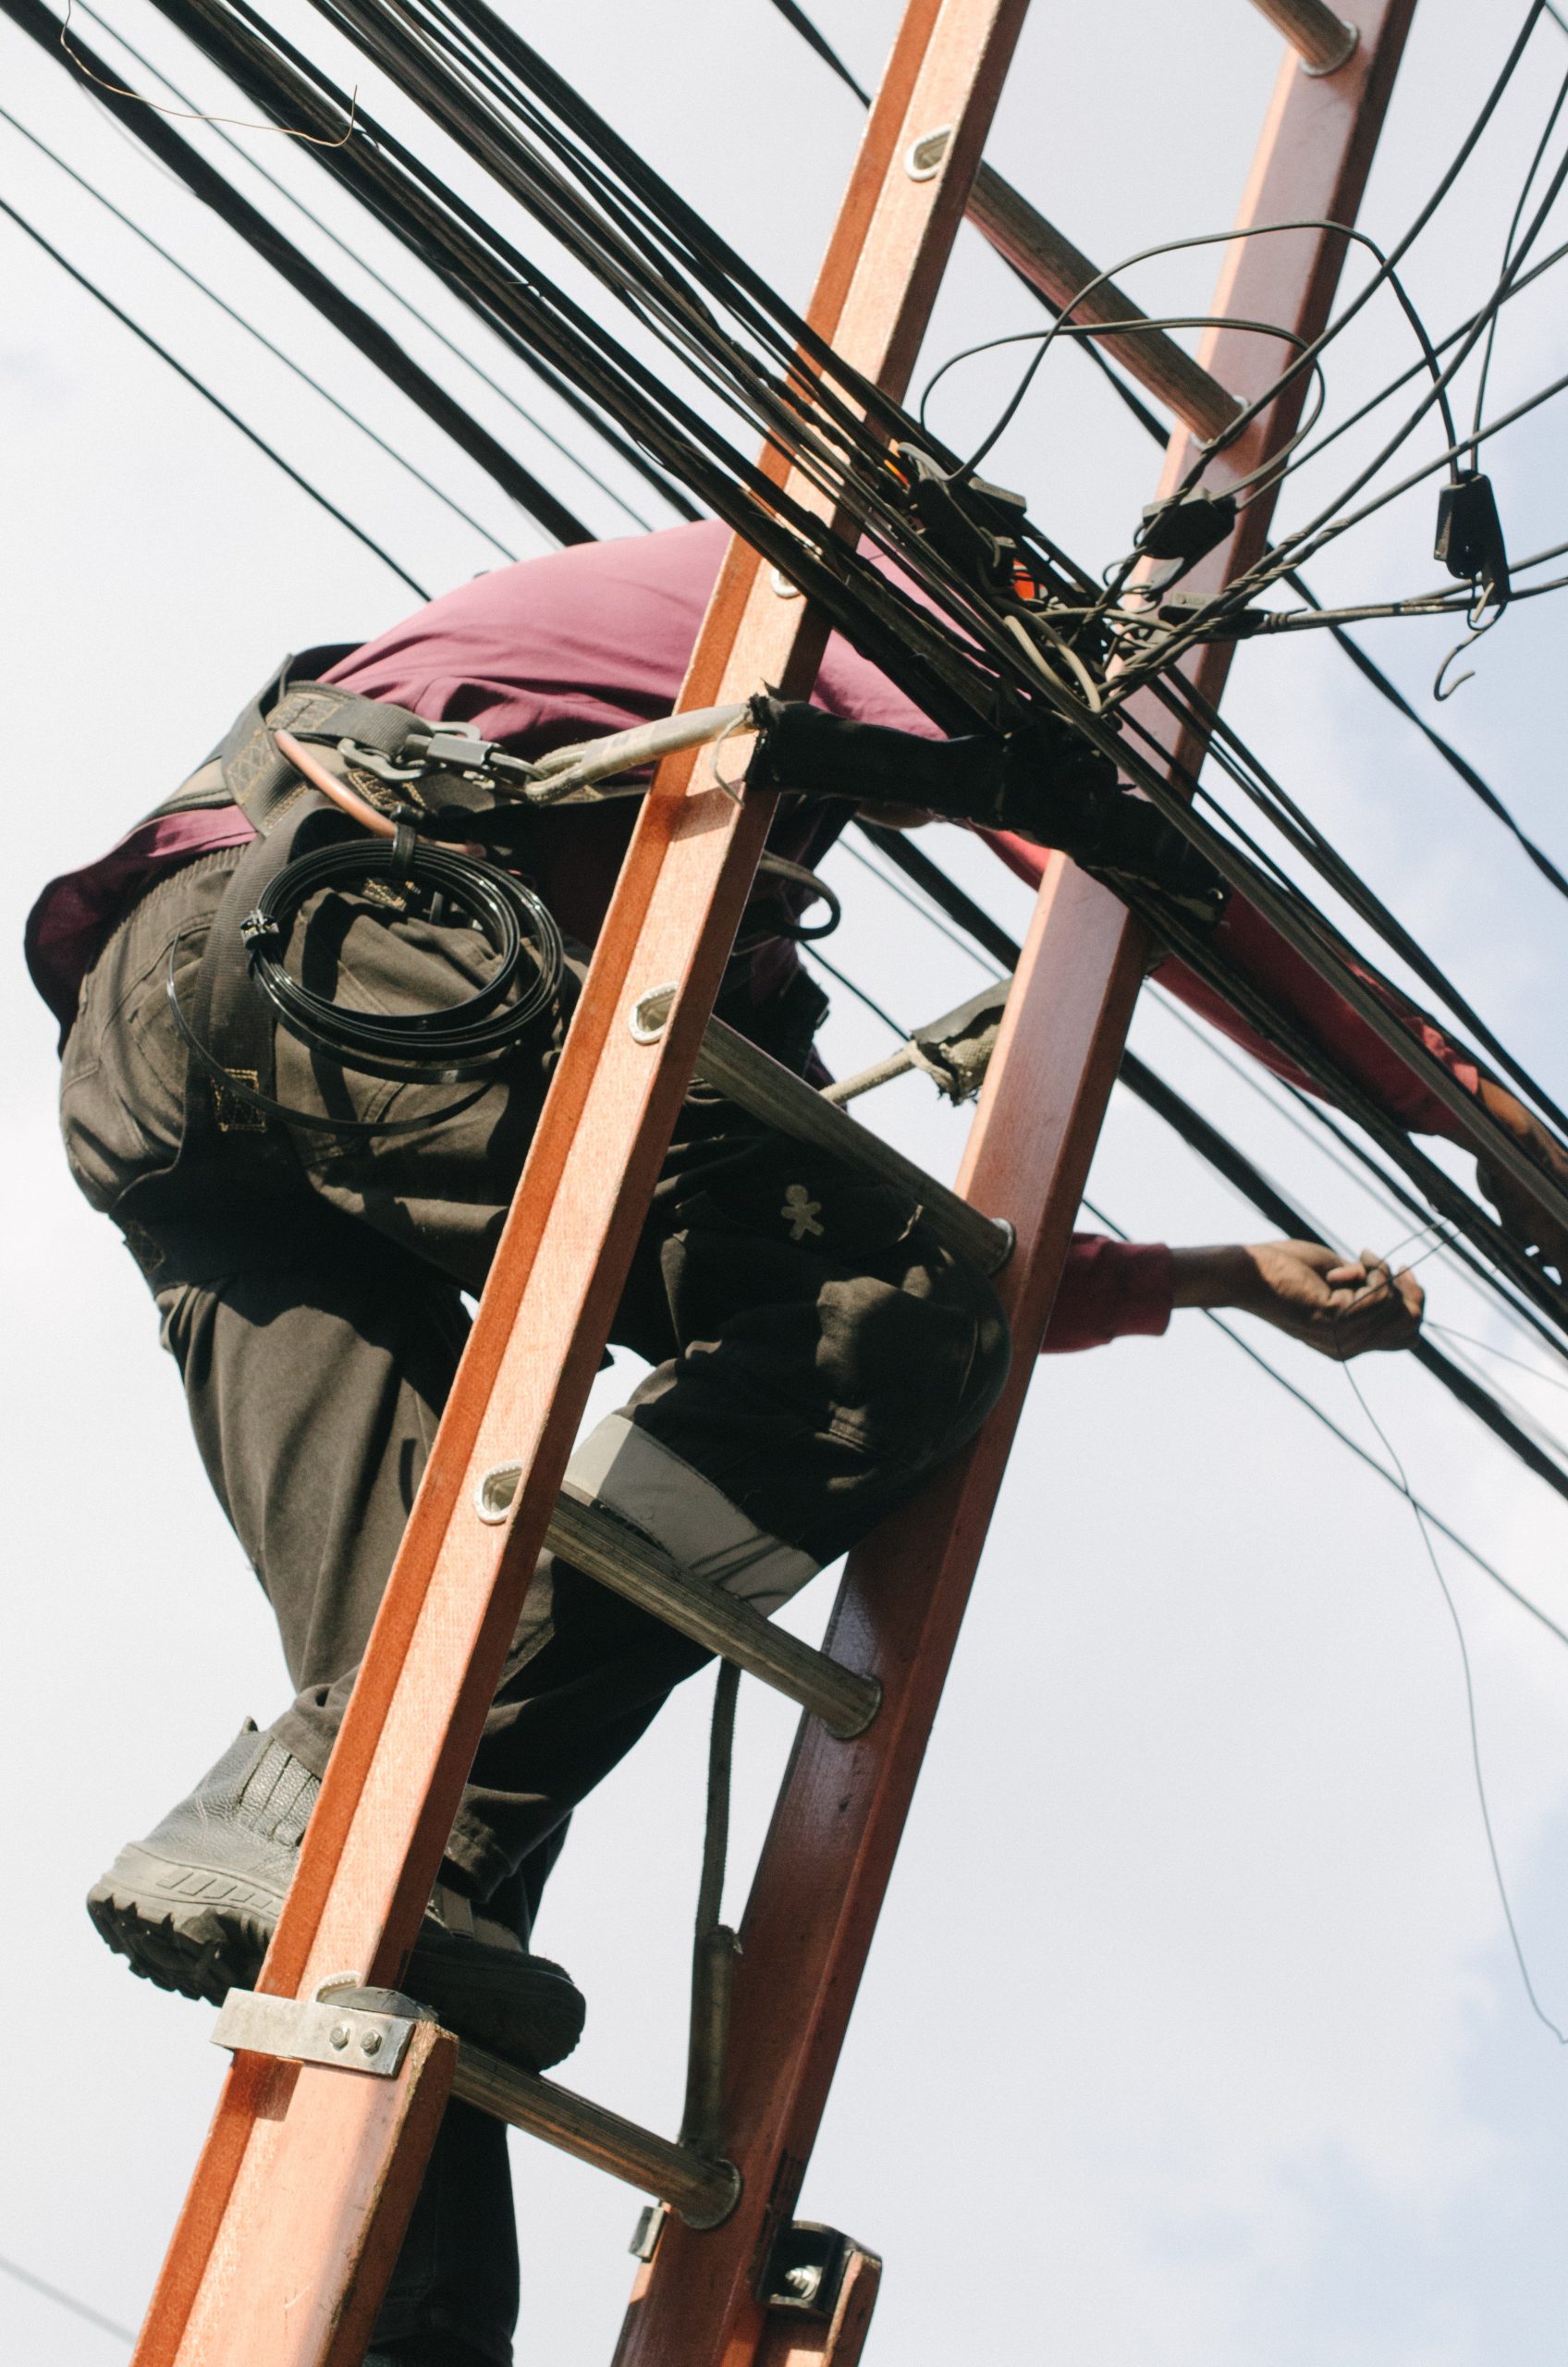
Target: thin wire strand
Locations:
point(1345, 1440)
point(181, 115)
point(66, 2301)
point(926, 914)
point(1421, 1516)
point(1552, 1381)
point(386, 285)
point(859, 992)
point(260, 337)
point(217, 401)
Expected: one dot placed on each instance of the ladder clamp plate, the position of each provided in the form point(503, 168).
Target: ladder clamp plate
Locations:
point(313, 2030)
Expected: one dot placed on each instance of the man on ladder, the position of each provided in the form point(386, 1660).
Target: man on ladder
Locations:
point(308, 1202)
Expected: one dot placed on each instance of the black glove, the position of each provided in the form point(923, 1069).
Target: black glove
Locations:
point(1045, 783)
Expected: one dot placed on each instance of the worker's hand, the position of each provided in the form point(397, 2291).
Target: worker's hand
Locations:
point(1533, 1226)
point(1341, 1306)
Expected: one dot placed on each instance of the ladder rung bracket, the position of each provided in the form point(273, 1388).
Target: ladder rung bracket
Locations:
point(775, 1094)
point(704, 2192)
point(609, 1551)
point(1061, 271)
point(1322, 41)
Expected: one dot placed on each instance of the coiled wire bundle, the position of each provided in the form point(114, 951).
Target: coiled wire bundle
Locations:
point(445, 1046)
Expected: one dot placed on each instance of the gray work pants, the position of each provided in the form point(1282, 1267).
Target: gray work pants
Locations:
point(815, 1354)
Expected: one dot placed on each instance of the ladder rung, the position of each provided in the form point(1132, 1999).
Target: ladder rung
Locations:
point(704, 2192)
point(615, 1555)
point(1053, 265)
point(1321, 40)
point(775, 1094)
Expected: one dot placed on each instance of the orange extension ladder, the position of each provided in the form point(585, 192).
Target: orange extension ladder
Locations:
point(302, 2196)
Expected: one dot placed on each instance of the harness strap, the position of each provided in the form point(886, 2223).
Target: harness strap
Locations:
point(245, 768)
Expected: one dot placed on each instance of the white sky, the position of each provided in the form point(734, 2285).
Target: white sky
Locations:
point(1192, 2037)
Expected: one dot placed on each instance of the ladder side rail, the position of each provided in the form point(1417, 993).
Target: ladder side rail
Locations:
point(248, 2284)
point(830, 1847)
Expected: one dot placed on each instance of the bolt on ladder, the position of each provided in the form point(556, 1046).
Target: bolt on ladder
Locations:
point(327, 2115)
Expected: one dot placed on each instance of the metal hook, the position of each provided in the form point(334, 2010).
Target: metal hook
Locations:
point(1481, 591)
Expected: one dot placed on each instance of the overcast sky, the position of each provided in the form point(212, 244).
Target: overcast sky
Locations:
point(1191, 2036)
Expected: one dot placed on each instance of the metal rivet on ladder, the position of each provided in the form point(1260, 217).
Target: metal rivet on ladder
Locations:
point(492, 1497)
point(924, 159)
point(649, 1013)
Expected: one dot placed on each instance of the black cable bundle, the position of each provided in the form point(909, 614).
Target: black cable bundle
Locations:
point(443, 1046)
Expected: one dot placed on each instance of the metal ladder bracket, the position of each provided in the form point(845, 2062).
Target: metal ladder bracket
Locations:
point(318, 2030)
point(806, 2270)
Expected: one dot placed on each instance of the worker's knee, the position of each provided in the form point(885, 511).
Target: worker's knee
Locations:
point(913, 1366)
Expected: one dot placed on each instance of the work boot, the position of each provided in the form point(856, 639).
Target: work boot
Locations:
point(193, 1908)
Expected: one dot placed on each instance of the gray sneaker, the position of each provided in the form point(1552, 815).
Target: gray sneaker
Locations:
point(192, 1908)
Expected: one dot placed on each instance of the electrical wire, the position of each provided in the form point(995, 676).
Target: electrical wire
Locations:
point(460, 353)
point(1488, 1569)
point(351, 320)
point(1508, 247)
point(1127, 394)
point(207, 395)
point(1552, 1381)
point(65, 2301)
point(250, 330)
point(977, 923)
point(1341, 321)
point(1400, 1483)
point(1421, 1517)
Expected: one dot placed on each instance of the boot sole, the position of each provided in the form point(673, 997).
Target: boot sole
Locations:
point(200, 1931)
point(193, 1930)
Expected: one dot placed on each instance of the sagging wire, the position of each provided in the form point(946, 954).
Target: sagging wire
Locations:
point(1421, 1516)
point(460, 353)
point(64, 2300)
point(362, 328)
point(1487, 349)
point(200, 387)
point(1399, 1480)
point(1488, 1569)
point(280, 130)
point(1318, 530)
point(1306, 542)
point(1336, 327)
point(260, 337)
point(1063, 327)
point(1385, 393)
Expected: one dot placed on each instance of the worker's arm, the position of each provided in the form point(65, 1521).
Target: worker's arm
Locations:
point(1043, 783)
point(1116, 1290)
point(1341, 1306)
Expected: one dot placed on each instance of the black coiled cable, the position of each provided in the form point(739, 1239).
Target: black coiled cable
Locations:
point(442, 1047)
